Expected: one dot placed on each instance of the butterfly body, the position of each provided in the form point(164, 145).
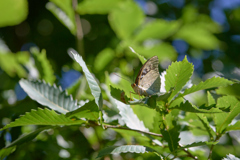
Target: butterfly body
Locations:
point(148, 80)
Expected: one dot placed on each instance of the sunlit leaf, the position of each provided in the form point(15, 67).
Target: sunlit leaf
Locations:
point(222, 120)
point(160, 29)
point(209, 83)
point(96, 6)
point(178, 74)
point(88, 111)
point(43, 65)
point(126, 18)
point(13, 12)
point(49, 96)
point(235, 126)
point(124, 149)
point(43, 117)
point(95, 89)
point(103, 59)
point(211, 100)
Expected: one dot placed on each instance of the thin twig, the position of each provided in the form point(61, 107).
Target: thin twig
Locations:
point(188, 153)
point(79, 36)
point(144, 132)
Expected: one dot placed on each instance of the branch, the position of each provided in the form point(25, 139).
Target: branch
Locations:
point(144, 132)
point(79, 36)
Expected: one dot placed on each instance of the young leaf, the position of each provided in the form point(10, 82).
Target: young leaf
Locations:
point(222, 120)
point(49, 96)
point(178, 74)
point(43, 65)
point(95, 89)
point(124, 149)
point(129, 117)
point(42, 117)
point(88, 111)
point(209, 83)
point(170, 132)
point(126, 18)
point(157, 29)
point(11, 64)
point(97, 7)
point(211, 100)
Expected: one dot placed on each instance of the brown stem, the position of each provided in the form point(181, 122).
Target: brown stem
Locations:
point(145, 132)
point(188, 153)
point(79, 36)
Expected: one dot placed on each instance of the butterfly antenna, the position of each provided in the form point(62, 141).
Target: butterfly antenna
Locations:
point(122, 77)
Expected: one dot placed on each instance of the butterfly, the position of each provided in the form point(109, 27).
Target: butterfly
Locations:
point(148, 80)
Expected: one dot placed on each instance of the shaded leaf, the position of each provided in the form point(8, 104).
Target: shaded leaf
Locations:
point(6, 151)
point(126, 18)
point(178, 74)
point(49, 96)
point(88, 111)
point(157, 29)
point(11, 63)
point(233, 90)
point(43, 65)
point(196, 144)
point(188, 107)
point(43, 117)
point(119, 95)
point(203, 119)
point(64, 12)
point(209, 83)
point(103, 59)
point(124, 149)
point(9, 9)
point(95, 89)
point(97, 7)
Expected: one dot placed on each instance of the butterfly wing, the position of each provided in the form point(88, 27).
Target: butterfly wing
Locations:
point(148, 79)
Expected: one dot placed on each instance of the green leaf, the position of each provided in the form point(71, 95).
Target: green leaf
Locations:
point(222, 120)
point(49, 96)
point(119, 95)
point(141, 58)
point(12, 63)
point(161, 49)
point(126, 18)
point(178, 74)
point(157, 29)
point(188, 107)
point(211, 100)
point(124, 149)
point(43, 117)
point(171, 132)
point(6, 151)
point(97, 7)
point(88, 111)
point(129, 117)
point(64, 12)
point(203, 119)
point(236, 126)
point(197, 36)
point(95, 89)
point(13, 12)
point(43, 65)
point(209, 83)
point(103, 59)
point(233, 90)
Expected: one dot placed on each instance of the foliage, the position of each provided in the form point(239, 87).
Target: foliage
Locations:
point(102, 118)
